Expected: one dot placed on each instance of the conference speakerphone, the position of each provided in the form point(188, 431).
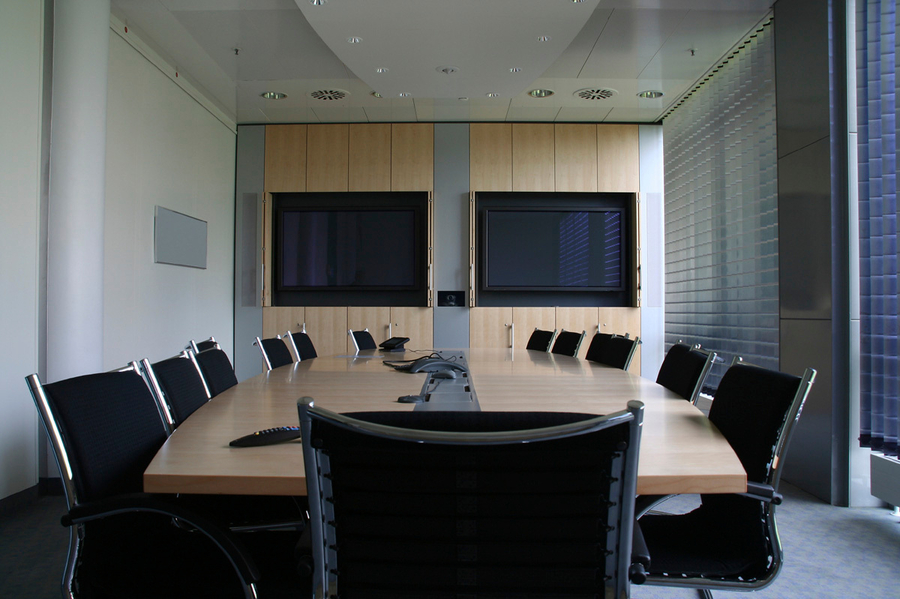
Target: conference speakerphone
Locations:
point(448, 386)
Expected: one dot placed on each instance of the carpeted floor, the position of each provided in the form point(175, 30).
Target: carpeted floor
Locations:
point(830, 553)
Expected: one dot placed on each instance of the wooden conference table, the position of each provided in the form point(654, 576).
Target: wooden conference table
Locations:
point(681, 451)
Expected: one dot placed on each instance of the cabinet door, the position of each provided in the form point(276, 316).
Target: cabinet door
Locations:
point(415, 323)
point(277, 321)
point(327, 157)
point(285, 158)
point(577, 320)
point(576, 157)
point(490, 327)
point(533, 154)
point(621, 321)
point(327, 328)
point(370, 157)
point(374, 318)
point(525, 320)
point(490, 157)
point(412, 156)
point(618, 158)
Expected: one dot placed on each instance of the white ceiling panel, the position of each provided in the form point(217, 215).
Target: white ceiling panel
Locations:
point(591, 114)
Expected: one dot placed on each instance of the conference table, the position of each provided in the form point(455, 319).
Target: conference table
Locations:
point(681, 450)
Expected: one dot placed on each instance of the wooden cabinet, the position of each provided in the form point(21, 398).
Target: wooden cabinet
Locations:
point(327, 328)
point(374, 318)
point(327, 157)
point(577, 320)
point(370, 157)
point(618, 158)
point(490, 157)
point(412, 156)
point(576, 157)
point(415, 323)
point(525, 320)
point(490, 327)
point(533, 161)
point(285, 161)
point(277, 321)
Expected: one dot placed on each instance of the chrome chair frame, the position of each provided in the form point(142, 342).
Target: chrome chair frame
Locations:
point(710, 360)
point(352, 336)
point(325, 579)
point(766, 492)
point(166, 409)
point(259, 343)
point(194, 346)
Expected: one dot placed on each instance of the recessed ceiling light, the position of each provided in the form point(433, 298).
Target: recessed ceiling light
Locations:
point(354, 40)
point(381, 70)
point(540, 93)
point(404, 94)
point(651, 94)
point(544, 38)
point(447, 70)
point(577, 1)
point(492, 95)
point(273, 95)
point(515, 70)
point(377, 95)
point(317, 2)
point(463, 99)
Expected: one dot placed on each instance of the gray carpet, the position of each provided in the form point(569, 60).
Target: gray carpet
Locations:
point(827, 552)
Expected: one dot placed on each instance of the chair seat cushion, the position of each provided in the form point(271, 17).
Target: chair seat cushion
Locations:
point(723, 538)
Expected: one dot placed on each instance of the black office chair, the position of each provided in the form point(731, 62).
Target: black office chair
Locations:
point(567, 343)
point(595, 349)
point(216, 370)
point(274, 351)
point(458, 504)
point(302, 345)
point(730, 542)
point(362, 339)
point(618, 352)
point(200, 346)
point(177, 386)
point(105, 429)
point(684, 370)
point(541, 340)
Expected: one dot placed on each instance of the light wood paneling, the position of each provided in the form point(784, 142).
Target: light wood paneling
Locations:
point(327, 157)
point(412, 157)
point(490, 157)
point(533, 162)
point(375, 318)
point(489, 327)
point(577, 320)
point(267, 240)
point(415, 323)
point(576, 157)
point(621, 321)
point(327, 328)
point(277, 320)
point(526, 320)
point(370, 157)
point(618, 158)
point(285, 158)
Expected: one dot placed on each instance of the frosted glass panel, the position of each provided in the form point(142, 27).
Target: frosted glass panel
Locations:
point(721, 212)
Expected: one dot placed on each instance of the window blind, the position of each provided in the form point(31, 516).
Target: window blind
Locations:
point(877, 92)
point(721, 220)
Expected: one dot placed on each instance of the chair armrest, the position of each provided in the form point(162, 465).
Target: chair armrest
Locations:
point(645, 503)
point(640, 556)
point(763, 492)
point(142, 502)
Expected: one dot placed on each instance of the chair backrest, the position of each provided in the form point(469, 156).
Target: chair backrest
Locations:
point(274, 352)
point(684, 370)
point(619, 351)
point(199, 346)
point(457, 504)
point(216, 370)
point(756, 410)
point(302, 345)
point(541, 340)
point(104, 428)
point(177, 385)
point(362, 339)
point(568, 343)
point(595, 349)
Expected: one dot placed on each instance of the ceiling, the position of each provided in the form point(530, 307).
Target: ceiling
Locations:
point(446, 55)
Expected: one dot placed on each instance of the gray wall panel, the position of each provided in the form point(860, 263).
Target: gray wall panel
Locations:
point(451, 230)
point(251, 146)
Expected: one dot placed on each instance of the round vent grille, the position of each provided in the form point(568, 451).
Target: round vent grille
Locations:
point(595, 93)
point(329, 94)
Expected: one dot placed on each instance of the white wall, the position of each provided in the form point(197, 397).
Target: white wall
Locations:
point(21, 43)
point(163, 148)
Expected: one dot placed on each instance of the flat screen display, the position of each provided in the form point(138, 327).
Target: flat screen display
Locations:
point(348, 249)
point(554, 249)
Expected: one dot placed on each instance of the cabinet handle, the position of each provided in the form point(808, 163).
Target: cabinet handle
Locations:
point(512, 335)
point(390, 331)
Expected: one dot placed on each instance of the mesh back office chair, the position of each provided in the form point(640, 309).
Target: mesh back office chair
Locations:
point(275, 352)
point(618, 352)
point(362, 339)
point(177, 385)
point(444, 504)
point(302, 345)
point(541, 340)
point(731, 542)
point(105, 428)
point(568, 343)
point(684, 370)
point(216, 370)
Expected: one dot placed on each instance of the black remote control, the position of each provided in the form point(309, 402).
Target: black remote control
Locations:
point(269, 436)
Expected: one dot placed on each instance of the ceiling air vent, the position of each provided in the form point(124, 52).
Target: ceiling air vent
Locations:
point(595, 93)
point(329, 94)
